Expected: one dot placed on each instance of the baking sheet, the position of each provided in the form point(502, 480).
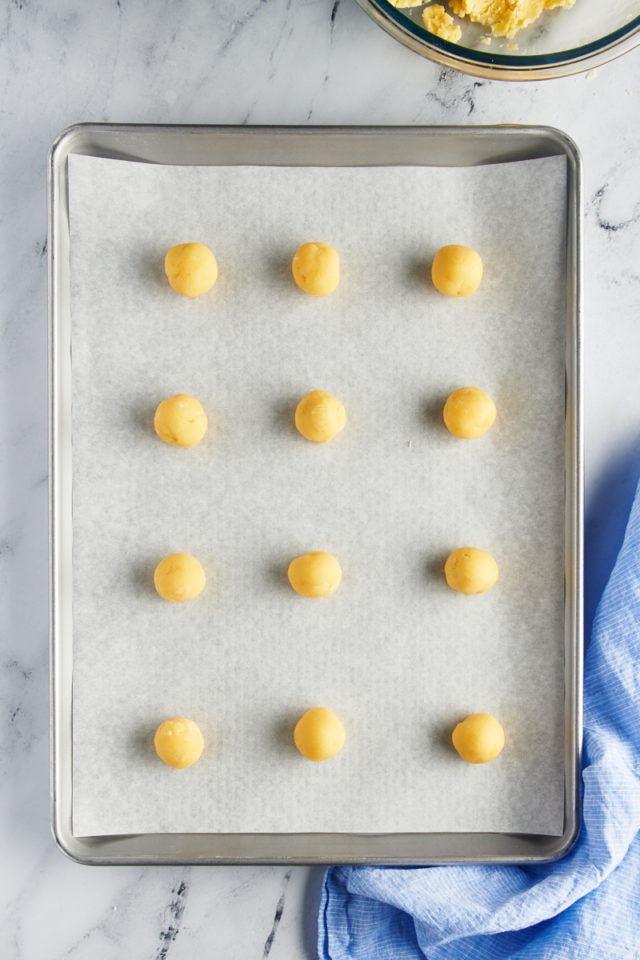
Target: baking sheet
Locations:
point(394, 652)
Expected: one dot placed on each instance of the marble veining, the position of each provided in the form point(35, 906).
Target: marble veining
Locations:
point(447, 94)
point(254, 61)
point(173, 916)
point(277, 917)
point(612, 224)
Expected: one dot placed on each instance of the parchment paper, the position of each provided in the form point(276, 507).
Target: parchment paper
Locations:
point(399, 656)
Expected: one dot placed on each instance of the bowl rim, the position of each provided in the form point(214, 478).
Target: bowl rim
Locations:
point(493, 65)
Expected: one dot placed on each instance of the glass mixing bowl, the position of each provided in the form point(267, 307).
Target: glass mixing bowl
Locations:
point(561, 42)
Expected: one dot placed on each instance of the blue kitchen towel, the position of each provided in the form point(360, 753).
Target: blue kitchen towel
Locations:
point(585, 906)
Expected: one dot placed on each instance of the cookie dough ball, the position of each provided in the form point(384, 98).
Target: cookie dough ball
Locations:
point(316, 268)
point(179, 742)
point(456, 271)
point(191, 269)
point(469, 412)
point(315, 574)
point(320, 417)
point(479, 738)
point(470, 570)
point(179, 577)
point(180, 421)
point(319, 734)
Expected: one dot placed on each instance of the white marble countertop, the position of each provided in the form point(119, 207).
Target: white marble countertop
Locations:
point(253, 61)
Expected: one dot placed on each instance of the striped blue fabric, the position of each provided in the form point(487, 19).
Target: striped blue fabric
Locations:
point(584, 907)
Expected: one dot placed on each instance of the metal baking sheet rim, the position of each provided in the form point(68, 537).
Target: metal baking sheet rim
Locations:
point(329, 145)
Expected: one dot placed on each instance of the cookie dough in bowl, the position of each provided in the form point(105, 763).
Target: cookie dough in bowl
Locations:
point(505, 18)
point(436, 20)
point(512, 39)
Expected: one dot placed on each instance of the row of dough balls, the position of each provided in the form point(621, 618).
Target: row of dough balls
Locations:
point(180, 577)
point(319, 735)
point(181, 420)
point(192, 269)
